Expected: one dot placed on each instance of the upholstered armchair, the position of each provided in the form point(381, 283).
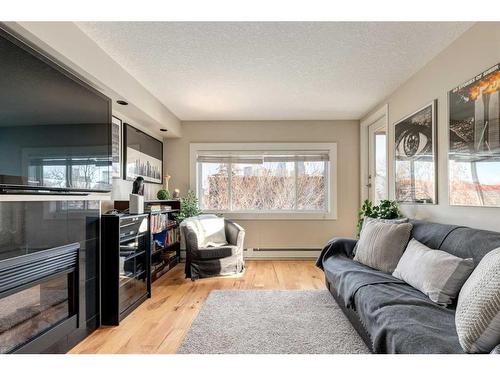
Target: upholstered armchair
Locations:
point(207, 261)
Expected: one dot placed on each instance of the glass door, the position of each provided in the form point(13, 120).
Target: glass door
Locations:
point(377, 161)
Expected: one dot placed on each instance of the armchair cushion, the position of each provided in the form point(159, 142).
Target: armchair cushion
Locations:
point(209, 229)
point(215, 252)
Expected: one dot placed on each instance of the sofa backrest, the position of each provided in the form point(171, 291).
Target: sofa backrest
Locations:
point(461, 241)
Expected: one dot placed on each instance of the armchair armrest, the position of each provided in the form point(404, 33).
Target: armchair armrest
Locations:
point(337, 246)
point(191, 239)
point(235, 234)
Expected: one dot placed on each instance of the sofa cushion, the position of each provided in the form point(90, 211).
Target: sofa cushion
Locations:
point(478, 308)
point(470, 243)
point(381, 244)
point(435, 273)
point(400, 319)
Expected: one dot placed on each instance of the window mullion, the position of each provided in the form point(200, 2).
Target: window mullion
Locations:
point(230, 185)
point(296, 167)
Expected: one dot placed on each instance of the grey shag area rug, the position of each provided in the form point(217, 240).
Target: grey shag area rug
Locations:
point(271, 322)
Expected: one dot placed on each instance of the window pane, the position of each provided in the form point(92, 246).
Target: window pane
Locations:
point(267, 186)
point(54, 175)
point(380, 192)
point(311, 185)
point(214, 189)
point(87, 174)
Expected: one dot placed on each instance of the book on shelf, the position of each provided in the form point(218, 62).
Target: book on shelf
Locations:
point(154, 208)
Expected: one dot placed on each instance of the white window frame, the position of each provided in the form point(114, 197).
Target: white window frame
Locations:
point(330, 214)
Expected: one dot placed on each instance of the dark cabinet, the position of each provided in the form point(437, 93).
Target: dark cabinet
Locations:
point(125, 265)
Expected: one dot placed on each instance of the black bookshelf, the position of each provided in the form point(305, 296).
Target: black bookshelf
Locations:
point(125, 265)
point(164, 256)
point(165, 236)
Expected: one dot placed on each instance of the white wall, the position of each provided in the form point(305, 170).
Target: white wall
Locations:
point(285, 234)
point(472, 53)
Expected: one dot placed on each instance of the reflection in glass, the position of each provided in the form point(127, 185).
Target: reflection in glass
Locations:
point(26, 314)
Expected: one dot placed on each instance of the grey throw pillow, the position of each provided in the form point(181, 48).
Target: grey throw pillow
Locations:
point(478, 309)
point(381, 244)
point(436, 273)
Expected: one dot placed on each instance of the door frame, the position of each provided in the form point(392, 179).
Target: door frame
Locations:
point(364, 148)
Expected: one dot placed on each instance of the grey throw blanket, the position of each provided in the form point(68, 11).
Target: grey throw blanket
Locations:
point(347, 275)
point(397, 317)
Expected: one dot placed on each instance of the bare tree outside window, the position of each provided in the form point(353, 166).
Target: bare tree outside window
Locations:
point(266, 186)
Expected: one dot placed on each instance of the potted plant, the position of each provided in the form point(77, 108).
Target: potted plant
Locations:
point(386, 209)
point(189, 207)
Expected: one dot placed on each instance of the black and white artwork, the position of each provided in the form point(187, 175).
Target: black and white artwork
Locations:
point(116, 146)
point(474, 133)
point(415, 157)
point(143, 155)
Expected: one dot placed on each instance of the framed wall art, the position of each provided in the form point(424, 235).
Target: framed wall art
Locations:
point(143, 155)
point(415, 157)
point(474, 136)
point(116, 147)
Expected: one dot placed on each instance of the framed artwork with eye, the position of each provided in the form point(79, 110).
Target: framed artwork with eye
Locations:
point(415, 157)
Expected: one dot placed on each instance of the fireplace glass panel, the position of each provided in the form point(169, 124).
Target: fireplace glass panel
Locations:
point(28, 313)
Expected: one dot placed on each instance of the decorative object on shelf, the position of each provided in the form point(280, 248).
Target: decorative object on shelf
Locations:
point(143, 155)
point(116, 146)
point(189, 207)
point(166, 179)
point(177, 194)
point(474, 134)
point(386, 209)
point(415, 156)
point(136, 205)
point(138, 186)
point(163, 194)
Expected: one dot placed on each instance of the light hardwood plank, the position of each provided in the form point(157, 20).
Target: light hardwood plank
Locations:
point(160, 323)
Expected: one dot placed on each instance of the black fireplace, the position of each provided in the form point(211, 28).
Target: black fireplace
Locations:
point(38, 296)
point(49, 267)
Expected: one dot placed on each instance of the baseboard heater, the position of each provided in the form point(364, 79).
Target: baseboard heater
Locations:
point(282, 249)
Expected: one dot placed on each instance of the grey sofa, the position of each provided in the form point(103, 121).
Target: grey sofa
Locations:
point(390, 315)
point(214, 261)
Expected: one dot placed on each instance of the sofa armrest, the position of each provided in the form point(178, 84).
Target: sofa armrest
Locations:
point(337, 246)
point(235, 234)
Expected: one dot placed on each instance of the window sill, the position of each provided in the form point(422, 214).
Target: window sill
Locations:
point(274, 215)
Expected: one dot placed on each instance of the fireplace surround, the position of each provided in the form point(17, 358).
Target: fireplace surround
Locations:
point(38, 293)
point(49, 274)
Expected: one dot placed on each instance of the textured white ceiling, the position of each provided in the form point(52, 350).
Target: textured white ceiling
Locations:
point(272, 71)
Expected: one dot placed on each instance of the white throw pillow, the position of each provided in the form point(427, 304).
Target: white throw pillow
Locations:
point(436, 273)
point(209, 228)
point(478, 309)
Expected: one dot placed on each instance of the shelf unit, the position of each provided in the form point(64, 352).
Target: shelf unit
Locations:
point(125, 265)
point(163, 258)
point(165, 237)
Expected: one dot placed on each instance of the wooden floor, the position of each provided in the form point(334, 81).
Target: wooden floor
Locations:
point(160, 323)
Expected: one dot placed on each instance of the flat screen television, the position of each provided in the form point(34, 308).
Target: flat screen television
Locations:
point(55, 130)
